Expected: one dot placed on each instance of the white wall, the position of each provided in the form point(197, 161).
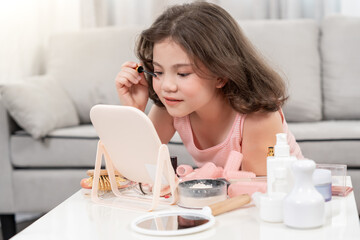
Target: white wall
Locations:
point(26, 25)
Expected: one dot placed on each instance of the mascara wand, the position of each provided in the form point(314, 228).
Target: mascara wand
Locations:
point(141, 69)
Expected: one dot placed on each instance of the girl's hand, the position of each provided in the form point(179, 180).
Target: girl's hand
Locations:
point(132, 86)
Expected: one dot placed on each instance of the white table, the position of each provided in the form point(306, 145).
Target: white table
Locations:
point(79, 218)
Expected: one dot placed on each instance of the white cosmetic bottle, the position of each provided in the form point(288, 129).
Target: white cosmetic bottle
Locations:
point(280, 160)
point(304, 206)
point(280, 183)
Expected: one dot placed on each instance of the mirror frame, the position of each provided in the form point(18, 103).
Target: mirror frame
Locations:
point(185, 231)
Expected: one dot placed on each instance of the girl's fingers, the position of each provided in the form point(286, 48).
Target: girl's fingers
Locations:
point(129, 64)
point(130, 68)
point(131, 86)
point(127, 78)
point(132, 75)
point(143, 80)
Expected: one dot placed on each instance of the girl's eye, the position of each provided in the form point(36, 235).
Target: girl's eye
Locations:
point(158, 73)
point(183, 74)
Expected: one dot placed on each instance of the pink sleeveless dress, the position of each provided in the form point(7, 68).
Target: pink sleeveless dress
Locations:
point(219, 154)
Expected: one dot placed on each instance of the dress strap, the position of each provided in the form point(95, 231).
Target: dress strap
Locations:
point(242, 120)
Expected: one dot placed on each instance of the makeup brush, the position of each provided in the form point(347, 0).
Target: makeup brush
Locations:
point(104, 181)
point(141, 69)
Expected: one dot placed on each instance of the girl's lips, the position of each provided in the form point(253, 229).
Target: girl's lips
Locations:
point(172, 101)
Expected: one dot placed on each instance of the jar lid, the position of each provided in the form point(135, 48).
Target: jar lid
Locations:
point(321, 176)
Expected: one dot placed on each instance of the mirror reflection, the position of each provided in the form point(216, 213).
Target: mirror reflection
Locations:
point(172, 222)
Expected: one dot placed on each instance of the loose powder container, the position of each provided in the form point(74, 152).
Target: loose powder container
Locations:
point(201, 193)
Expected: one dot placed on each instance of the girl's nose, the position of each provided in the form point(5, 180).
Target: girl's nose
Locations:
point(169, 84)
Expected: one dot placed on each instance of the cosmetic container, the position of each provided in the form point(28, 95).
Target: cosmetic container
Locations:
point(322, 182)
point(271, 207)
point(281, 159)
point(201, 193)
point(338, 178)
point(280, 183)
point(271, 164)
point(304, 206)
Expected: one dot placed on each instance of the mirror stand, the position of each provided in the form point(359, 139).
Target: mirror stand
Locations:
point(163, 170)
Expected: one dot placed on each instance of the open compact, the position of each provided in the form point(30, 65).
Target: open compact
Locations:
point(201, 193)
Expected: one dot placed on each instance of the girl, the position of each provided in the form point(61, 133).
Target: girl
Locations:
point(211, 86)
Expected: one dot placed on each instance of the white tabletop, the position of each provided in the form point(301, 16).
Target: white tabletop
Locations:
point(79, 218)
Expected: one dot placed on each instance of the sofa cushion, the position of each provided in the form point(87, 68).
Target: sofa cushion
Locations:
point(340, 52)
point(69, 147)
point(326, 130)
point(87, 62)
point(333, 142)
point(333, 152)
point(39, 105)
point(291, 47)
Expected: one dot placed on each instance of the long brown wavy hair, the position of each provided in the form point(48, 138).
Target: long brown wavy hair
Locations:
point(212, 38)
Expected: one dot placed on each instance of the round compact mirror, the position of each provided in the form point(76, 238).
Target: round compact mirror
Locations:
point(173, 223)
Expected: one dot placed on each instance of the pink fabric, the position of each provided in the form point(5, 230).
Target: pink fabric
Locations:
point(211, 171)
point(208, 171)
point(238, 174)
point(233, 162)
point(184, 170)
point(217, 154)
point(221, 153)
point(240, 188)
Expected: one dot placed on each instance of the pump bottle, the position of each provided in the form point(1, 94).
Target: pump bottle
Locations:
point(280, 160)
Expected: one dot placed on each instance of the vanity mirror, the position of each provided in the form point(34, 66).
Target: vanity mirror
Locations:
point(129, 144)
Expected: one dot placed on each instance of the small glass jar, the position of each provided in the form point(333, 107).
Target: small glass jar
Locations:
point(322, 182)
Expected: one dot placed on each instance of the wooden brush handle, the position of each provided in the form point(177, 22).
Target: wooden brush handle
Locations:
point(103, 172)
point(229, 204)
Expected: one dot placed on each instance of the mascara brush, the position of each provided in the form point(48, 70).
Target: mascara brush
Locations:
point(141, 69)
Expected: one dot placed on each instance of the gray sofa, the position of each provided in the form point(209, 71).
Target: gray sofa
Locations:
point(42, 163)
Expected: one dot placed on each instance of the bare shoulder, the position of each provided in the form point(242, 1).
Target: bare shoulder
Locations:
point(259, 132)
point(261, 120)
point(163, 123)
point(260, 129)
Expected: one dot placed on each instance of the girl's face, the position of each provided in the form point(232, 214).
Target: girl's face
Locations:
point(177, 85)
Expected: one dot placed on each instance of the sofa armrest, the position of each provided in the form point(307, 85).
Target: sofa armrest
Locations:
point(7, 125)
